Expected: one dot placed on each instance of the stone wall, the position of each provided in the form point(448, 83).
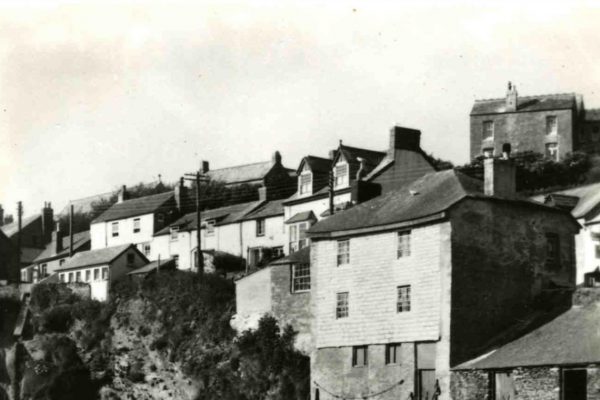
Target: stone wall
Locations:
point(469, 385)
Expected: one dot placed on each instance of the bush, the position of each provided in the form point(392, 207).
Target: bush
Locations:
point(56, 319)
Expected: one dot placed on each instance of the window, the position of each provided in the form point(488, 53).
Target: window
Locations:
point(104, 273)
point(115, 229)
point(488, 152)
point(160, 218)
point(298, 239)
point(61, 262)
point(44, 270)
point(403, 298)
point(403, 244)
point(341, 308)
point(62, 278)
point(488, 130)
point(88, 275)
point(210, 227)
point(343, 252)
point(136, 225)
point(300, 278)
point(574, 384)
point(147, 249)
point(306, 183)
point(260, 227)
point(130, 259)
point(96, 274)
point(360, 356)
point(78, 276)
point(341, 175)
point(70, 277)
point(551, 125)
point(174, 233)
point(176, 260)
point(552, 151)
point(277, 252)
point(392, 353)
point(552, 250)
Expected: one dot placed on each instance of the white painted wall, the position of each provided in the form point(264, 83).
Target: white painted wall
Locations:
point(101, 233)
point(229, 239)
point(274, 234)
point(586, 247)
point(371, 279)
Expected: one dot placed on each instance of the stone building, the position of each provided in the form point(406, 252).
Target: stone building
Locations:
point(410, 284)
point(553, 124)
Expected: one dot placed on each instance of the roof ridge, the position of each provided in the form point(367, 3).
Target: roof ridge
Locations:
point(240, 166)
point(530, 96)
point(170, 192)
point(363, 149)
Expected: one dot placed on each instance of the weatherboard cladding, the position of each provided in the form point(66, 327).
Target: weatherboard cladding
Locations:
point(139, 206)
point(526, 104)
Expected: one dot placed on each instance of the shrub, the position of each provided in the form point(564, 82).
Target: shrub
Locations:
point(56, 319)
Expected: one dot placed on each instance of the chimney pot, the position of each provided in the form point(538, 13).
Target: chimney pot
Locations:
point(276, 158)
point(122, 194)
point(404, 139)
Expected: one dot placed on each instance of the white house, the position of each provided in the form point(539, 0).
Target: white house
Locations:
point(137, 220)
point(101, 267)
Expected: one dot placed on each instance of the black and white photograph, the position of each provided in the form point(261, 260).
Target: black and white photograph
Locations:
point(299, 200)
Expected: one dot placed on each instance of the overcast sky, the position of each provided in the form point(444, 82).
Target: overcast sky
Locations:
point(93, 96)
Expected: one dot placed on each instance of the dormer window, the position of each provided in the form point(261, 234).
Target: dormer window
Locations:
point(174, 233)
point(305, 183)
point(488, 130)
point(210, 227)
point(341, 175)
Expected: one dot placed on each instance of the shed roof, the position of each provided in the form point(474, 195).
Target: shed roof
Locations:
point(558, 101)
point(95, 257)
point(589, 198)
point(571, 338)
point(134, 207)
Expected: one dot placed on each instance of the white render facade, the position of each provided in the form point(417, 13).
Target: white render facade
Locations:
point(135, 230)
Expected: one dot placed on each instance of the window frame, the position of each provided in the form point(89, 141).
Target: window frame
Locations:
point(104, 273)
point(209, 227)
point(261, 227)
point(130, 259)
point(305, 183)
point(365, 356)
point(342, 180)
point(403, 244)
point(88, 275)
point(392, 355)
point(114, 228)
point(342, 307)
point(343, 252)
point(137, 225)
point(300, 278)
point(551, 125)
point(43, 270)
point(488, 134)
point(96, 274)
point(403, 302)
point(552, 151)
point(297, 235)
point(173, 233)
point(147, 248)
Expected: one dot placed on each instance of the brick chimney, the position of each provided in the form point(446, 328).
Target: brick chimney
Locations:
point(499, 175)
point(276, 158)
point(181, 195)
point(204, 166)
point(1, 215)
point(123, 195)
point(47, 222)
point(57, 238)
point(404, 139)
point(262, 193)
point(511, 97)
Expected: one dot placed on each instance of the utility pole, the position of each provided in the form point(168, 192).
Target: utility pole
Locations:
point(331, 183)
point(198, 177)
point(71, 231)
point(19, 225)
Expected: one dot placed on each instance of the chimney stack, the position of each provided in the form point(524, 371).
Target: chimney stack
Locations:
point(499, 175)
point(47, 222)
point(404, 139)
point(58, 239)
point(181, 195)
point(1, 215)
point(276, 158)
point(262, 193)
point(123, 195)
point(204, 167)
point(511, 97)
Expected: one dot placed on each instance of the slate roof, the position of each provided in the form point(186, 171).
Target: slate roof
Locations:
point(571, 338)
point(527, 103)
point(301, 216)
point(266, 210)
point(29, 254)
point(84, 205)
point(221, 214)
point(11, 229)
point(152, 265)
point(134, 207)
point(589, 198)
point(592, 114)
point(431, 194)
point(301, 256)
point(79, 240)
point(241, 173)
point(352, 154)
point(94, 257)
point(317, 164)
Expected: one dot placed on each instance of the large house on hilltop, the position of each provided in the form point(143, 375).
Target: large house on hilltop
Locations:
point(553, 124)
point(278, 180)
point(416, 281)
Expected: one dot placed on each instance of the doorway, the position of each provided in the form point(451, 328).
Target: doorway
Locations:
point(574, 384)
point(427, 386)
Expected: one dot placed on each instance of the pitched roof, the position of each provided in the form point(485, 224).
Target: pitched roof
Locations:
point(153, 265)
point(589, 198)
point(241, 173)
point(527, 103)
point(302, 216)
point(265, 210)
point(318, 164)
point(134, 207)
point(301, 256)
point(188, 221)
point(84, 205)
point(352, 154)
point(592, 114)
point(29, 254)
point(431, 194)
point(571, 338)
point(94, 257)
point(11, 229)
point(79, 240)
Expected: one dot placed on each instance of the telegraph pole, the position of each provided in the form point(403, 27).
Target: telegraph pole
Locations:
point(331, 183)
point(71, 231)
point(19, 225)
point(198, 177)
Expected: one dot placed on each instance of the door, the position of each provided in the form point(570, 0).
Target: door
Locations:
point(574, 384)
point(427, 385)
point(504, 386)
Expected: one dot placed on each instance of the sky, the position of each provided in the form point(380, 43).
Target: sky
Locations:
point(94, 95)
